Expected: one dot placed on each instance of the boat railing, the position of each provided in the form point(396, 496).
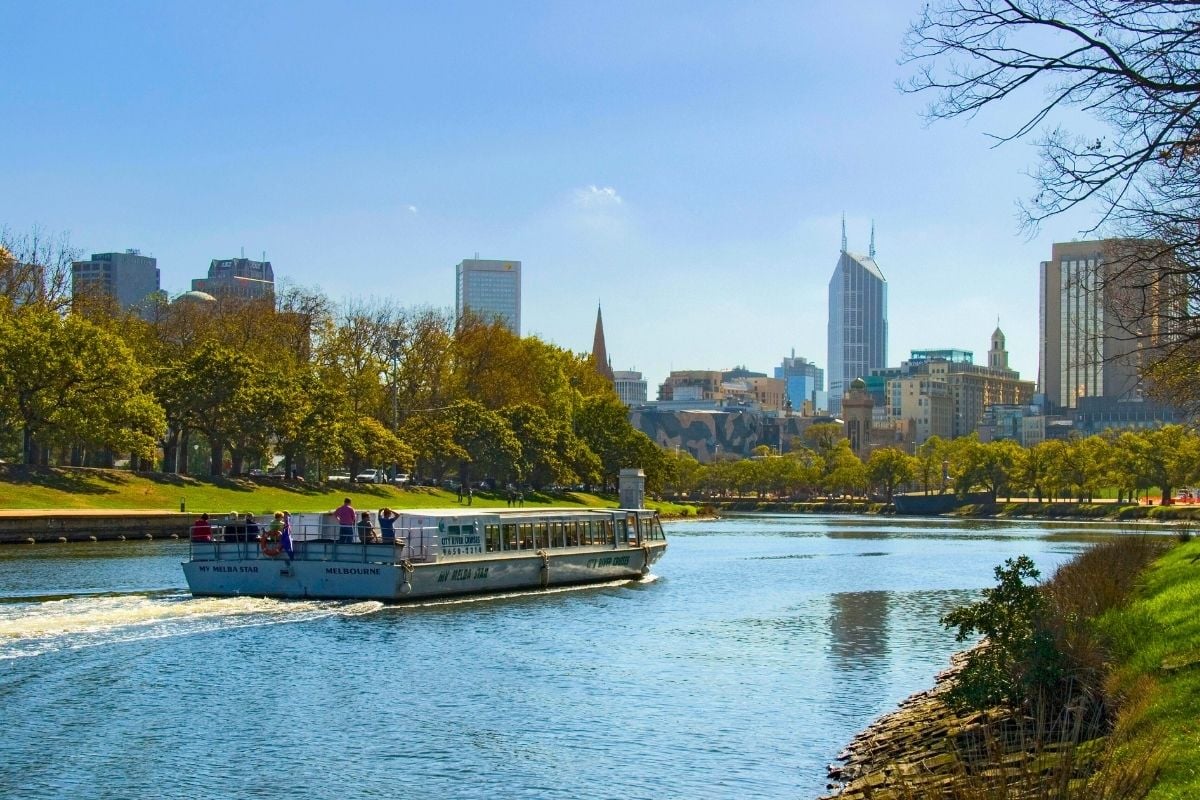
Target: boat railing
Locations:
point(321, 542)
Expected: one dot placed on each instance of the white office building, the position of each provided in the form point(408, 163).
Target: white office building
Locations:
point(489, 289)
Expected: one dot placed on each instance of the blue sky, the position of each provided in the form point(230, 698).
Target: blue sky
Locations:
point(686, 164)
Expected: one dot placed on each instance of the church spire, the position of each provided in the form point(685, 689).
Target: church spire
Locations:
point(872, 250)
point(843, 231)
point(599, 352)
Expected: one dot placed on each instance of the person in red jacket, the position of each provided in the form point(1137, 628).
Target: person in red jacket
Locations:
point(202, 530)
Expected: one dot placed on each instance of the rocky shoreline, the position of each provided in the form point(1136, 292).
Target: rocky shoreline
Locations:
point(927, 749)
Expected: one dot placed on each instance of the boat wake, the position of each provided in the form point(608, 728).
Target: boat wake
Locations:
point(33, 628)
point(521, 593)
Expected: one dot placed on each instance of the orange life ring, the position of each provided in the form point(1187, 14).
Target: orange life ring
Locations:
point(271, 543)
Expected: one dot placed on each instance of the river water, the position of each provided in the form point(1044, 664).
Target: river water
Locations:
point(738, 669)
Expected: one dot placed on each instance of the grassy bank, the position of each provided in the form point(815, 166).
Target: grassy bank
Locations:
point(1116, 512)
point(1156, 641)
point(1126, 721)
point(65, 488)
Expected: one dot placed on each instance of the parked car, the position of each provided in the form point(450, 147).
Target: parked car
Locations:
point(401, 479)
point(258, 473)
point(338, 477)
point(371, 476)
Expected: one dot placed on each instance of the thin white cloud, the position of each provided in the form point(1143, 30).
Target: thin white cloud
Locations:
point(411, 209)
point(596, 197)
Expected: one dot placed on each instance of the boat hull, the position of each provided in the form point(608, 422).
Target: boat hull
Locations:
point(351, 577)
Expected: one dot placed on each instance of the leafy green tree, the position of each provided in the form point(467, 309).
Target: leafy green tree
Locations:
point(1020, 658)
point(931, 456)
point(67, 380)
point(823, 438)
point(889, 468)
point(681, 472)
point(1082, 465)
point(547, 446)
point(312, 423)
point(482, 439)
point(1172, 458)
point(367, 442)
point(844, 472)
point(221, 386)
point(990, 466)
point(602, 423)
point(1032, 469)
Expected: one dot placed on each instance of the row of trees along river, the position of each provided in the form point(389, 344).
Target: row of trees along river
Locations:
point(1127, 463)
point(327, 387)
point(332, 387)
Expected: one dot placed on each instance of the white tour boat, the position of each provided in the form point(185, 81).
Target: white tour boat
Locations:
point(435, 553)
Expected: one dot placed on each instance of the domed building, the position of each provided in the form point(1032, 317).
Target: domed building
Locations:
point(194, 296)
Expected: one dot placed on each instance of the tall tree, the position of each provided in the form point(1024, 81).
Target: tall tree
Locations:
point(35, 269)
point(67, 380)
point(1132, 66)
point(888, 468)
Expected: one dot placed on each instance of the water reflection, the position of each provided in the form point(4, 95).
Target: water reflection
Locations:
point(858, 628)
point(763, 646)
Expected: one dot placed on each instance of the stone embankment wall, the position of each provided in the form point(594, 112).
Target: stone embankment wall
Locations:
point(33, 528)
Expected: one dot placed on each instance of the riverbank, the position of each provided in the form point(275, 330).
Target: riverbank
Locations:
point(79, 504)
point(1103, 511)
point(927, 748)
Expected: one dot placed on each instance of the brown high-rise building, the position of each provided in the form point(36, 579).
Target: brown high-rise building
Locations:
point(1104, 306)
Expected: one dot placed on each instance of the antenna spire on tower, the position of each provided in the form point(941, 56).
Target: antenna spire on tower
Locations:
point(843, 231)
point(872, 250)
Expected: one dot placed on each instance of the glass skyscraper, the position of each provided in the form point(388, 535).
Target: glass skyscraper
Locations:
point(857, 322)
point(489, 289)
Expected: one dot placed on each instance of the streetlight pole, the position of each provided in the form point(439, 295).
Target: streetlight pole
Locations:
point(395, 353)
point(394, 345)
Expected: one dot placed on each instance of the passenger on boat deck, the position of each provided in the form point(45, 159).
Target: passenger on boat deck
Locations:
point(366, 531)
point(285, 537)
point(387, 524)
point(345, 515)
point(252, 529)
point(202, 529)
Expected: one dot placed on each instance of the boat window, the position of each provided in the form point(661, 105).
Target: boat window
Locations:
point(556, 534)
point(526, 536)
point(510, 536)
point(606, 527)
point(541, 537)
point(631, 528)
point(572, 531)
point(492, 535)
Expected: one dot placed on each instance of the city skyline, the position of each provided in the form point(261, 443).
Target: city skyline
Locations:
point(685, 166)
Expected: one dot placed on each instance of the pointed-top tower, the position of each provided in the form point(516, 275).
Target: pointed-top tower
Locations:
point(599, 351)
point(998, 356)
point(857, 337)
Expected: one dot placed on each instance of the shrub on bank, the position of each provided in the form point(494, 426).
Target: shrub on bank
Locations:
point(1042, 651)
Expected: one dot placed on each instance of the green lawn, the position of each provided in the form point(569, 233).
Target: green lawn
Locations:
point(101, 489)
point(1157, 640)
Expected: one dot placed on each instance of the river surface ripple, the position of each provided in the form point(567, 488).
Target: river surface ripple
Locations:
point(738, 669)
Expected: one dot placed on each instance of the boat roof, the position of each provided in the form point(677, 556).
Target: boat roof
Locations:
point(538, 511)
